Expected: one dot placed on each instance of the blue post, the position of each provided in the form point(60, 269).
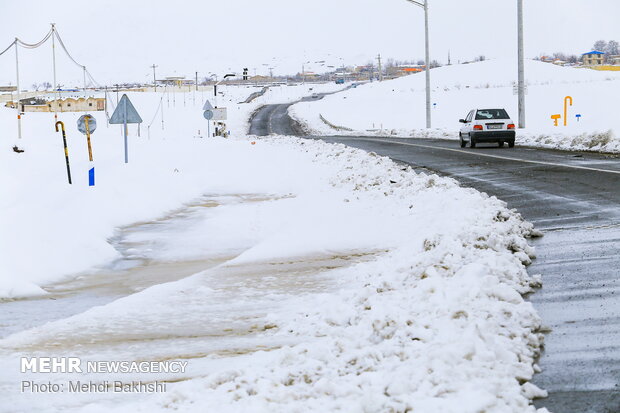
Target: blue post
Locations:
point(91, 176)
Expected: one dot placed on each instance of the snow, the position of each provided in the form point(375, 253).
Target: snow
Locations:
point(397, 107)
point(52, 230)
point(348, 282)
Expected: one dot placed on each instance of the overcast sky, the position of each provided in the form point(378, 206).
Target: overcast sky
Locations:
point(119, 39)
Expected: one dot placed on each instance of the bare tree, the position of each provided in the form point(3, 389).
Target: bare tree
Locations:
point(613, 48)
point(600, 46)
point(560, 56)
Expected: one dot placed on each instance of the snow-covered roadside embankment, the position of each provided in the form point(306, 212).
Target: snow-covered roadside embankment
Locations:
point(50, 230)
point(397, 107)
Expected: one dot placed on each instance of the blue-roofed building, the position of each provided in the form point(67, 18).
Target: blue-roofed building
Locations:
point(593, 58)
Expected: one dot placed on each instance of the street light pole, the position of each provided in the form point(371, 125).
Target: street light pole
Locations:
point(521, 67)
point(427, 59)
point(154, 78)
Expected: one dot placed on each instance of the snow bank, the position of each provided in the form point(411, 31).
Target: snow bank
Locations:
point(436, 323)
point(397, 107)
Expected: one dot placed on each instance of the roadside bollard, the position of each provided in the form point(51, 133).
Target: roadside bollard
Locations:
point(568, 100)
point(87, 125)
point(64, 142)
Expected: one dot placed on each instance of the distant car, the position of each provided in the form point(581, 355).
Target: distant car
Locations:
point(340, 81)
point(487, 125)
point(315, 96)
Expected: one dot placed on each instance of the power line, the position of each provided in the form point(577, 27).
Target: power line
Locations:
point(34, 45)
point(8, 48)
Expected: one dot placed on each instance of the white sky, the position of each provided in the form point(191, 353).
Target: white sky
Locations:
point(119, 39)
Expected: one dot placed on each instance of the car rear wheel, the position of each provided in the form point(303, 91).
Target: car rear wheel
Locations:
point(511, 144)
point(501, 144)
point(472, 143)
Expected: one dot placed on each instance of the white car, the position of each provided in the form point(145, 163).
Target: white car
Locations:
point(487, 125)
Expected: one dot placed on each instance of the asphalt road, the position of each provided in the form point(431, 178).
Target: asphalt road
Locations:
point(574, 198)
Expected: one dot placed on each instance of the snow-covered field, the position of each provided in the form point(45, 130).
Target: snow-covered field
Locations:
point(51, 229)
point(347, 282)
point(397, 107)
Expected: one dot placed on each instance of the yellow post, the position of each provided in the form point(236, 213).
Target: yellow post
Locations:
point(90, 151)
point(555, 119)
point(566, 99)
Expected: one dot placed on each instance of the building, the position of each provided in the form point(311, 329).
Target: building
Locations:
point(403, 70)
point(60, 105)
point(593, 58)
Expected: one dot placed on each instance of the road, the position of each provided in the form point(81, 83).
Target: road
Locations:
point(574, 199)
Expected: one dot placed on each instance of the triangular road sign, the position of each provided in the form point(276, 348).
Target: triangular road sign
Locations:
point(207, 106)
point(125, 112)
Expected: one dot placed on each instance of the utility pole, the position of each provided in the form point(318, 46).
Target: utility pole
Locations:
point(521, 67)
point(428, 67)
point(380, 69)
point(196, 81)
point(19, 114)
point(84, 74)
point(54, 69)
point(154, 79)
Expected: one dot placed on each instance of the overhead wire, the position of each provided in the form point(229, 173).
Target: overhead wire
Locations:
point(9, 46)
point(52, 32)
point(62, 44)
point(34, 45)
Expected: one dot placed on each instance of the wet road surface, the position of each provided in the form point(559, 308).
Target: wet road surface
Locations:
point(574, 198)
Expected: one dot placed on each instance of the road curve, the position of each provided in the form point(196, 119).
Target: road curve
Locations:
point(574, 198)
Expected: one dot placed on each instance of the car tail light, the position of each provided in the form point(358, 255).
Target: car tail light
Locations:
point(477, 127)
point(511, 126)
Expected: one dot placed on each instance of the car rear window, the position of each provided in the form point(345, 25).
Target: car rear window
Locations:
point(484, 114)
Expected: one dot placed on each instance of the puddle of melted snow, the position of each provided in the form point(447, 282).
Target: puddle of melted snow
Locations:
point(132, 272)
point(220, 312)
point(219, 316)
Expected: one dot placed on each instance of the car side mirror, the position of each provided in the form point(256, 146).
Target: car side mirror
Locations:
point(462, 121)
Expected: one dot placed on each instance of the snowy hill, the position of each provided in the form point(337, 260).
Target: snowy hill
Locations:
point(397, 107)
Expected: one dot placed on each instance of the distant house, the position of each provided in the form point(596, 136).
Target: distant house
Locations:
point(593, 58)
point(61, 105)
point(402, 70)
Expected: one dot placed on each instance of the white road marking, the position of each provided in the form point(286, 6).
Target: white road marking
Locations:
point(269, 120)
point(491, 156)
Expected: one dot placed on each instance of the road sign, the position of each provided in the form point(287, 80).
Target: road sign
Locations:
point(207, 106)
point(123, 114)
point(219, 113)
point(92, 124)
point(208, 114)
point(515, 89)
